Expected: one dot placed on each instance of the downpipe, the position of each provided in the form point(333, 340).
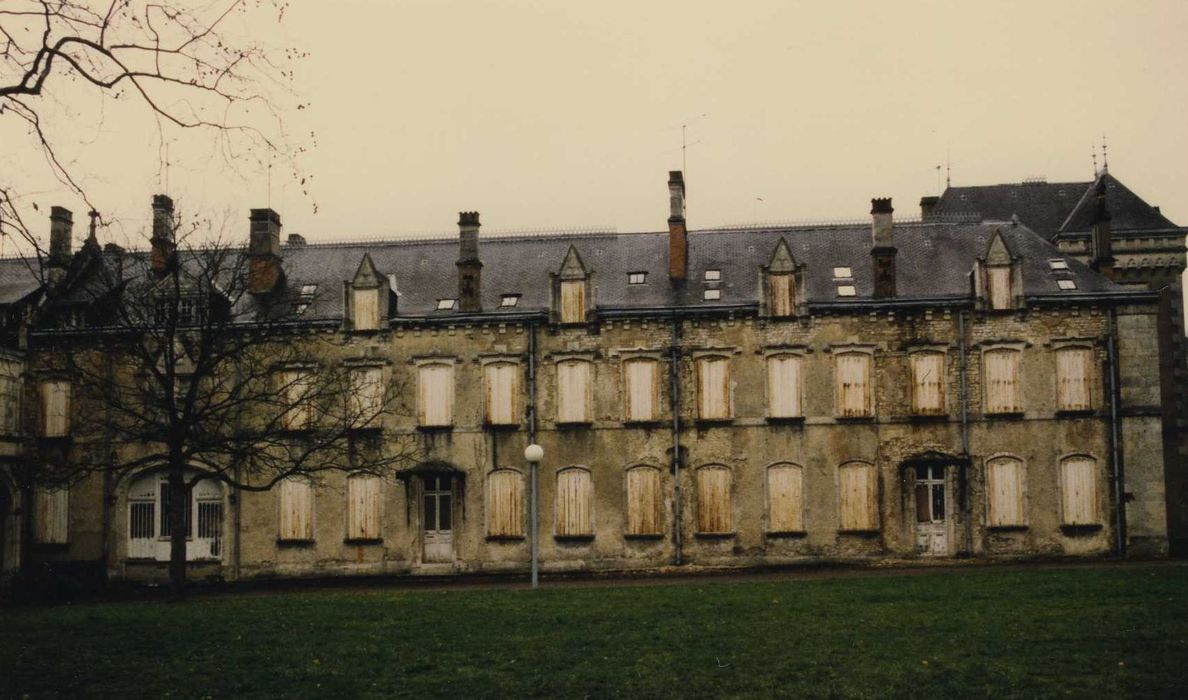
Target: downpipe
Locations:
point(674, 378)
point(1115, 434)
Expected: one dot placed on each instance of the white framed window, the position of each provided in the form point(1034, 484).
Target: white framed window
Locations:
point(714, 512)
point(784, 386)
point(501, 391)
point(782, 294)
point(1002, 380)
point(858, 487)
point(713, 275)
point(713, 387)
point(295, 501)
point(1074, 378)
point(1078, 491)
point(365, 308)
point(295, 387)
point(928, 383)
point(367, 395)
point(712, 294)
point(852, 375)
point(785, 498)
point(51, 515)
point(645, 502)
point(573, 301)
point(640, 389)
point(364, 507)
point(575, 503)
point(149, 513)
point(1004, 492)
point(998, 281)
point(435, 394)
point(573, 390)
point(505, 503)
point(637, 277)
point(55, 408)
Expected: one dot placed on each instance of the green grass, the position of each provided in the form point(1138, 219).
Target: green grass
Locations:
point(1080, 632)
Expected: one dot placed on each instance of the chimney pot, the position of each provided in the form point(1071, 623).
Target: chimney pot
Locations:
point(678, 234)
point(61, 225)
point(265, 273)
point(927, 206)
point(883, 251)
point(296, 239)
point(470, 265)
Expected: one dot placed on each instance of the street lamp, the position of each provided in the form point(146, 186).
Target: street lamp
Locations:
point(533, 454)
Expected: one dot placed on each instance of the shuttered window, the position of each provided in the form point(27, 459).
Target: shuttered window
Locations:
point(853, 384)
point(55, 408)
point(363, 507)
point(785, 498)
point(296, 510)
point(367, 395)
point(1078, 487)
point(295, 388)
point(51, 515)
point(501, 390)
point(645, 505)
point(713, 501)
point(783, 386)
point(1002, 380)
point(505, 503)
point(713, 388)
point(575, 503)
point(1074, 373)
point(782, 301)
point(573, 391)
point(1004, 491)
point(928, 383)
point(10, 401)
point(435, 395)
point(573, 301)
point(640, 389)
point(998, 279)
point(859, 497)
point(365, 303)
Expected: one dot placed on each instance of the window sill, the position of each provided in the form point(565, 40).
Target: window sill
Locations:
point(787, 534)
point(1006, 528)
point(712, 422)
point(1085, 529)
point(574, 424)
point(644, 536)
point(785, 420)
point(294, 544)
point(650, 423)
point(866, 532)
point(55, 439)
point(856, 419)
point(929, 417)
point(574, 538)
point(1075, 412)
point(714, 535)
point(363, 540)
point(506, 538)
point(435, 428)
point(1006, 415)
point(501, 427)
point(367, 430)
point(51, 546)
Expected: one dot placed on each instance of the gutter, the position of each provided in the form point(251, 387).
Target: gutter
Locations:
point(1115, 436)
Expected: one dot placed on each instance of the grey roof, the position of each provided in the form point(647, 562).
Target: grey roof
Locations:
point(18, 279)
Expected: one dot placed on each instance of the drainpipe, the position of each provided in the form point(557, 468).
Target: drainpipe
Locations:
point(1115, 435)
point(965, 468)
point(533, 467)
point(674, 377)
point(238, 505)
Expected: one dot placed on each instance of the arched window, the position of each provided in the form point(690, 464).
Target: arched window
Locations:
point(505, 503)
point(713, 387)
point(1078, 491)
point(295, 500)
point(640, 389)
point(1004, 492)
point(149, 507)
point(784, 386)
point(785, 498)
point(1074, 378)
point(501, 390)
point(928, 383)
point(575, 503)
point(858, 484)
point(855, 397)
point(435, 394)
point(714, 516)
point(645, 502)
point(573, 390)
point(1002, 380)
point(363, 507)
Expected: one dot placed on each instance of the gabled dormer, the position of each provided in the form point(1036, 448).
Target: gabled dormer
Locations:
point(783, 282)
point(998, 279)
point(572, 284)
point(367, 306)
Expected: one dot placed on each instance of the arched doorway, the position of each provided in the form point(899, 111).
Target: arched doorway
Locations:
point(933, 495)
point(436, 487)
point(149, 509)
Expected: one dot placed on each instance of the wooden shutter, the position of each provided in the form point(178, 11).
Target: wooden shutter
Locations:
point(928, 383)
point(573, 301)
point(853, 384)
point(859, 497)
point(505, 503)
point(645, 509)
point(295, 388)
point(782, 300)
point(296, 509)
point(10, 401)
point(713, 500)
point(51, 515)
point(713, 388)
point(365, 303)
point(783, 386)
point(1078, 483)
point(1073, 378)
point(55, 408)
point(1004, 489)
point(1002, 381)
point(575, 503)
point(367, 395)
point(640, 389)
point(573, 391)
point(998, 279)
point(501, 388)
point(363, 507)
point(435, 394)
point(785, 498)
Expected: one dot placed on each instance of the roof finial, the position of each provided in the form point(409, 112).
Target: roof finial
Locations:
point(1105, 155)
point(94, 218)
point(1093, 149)
point(948, 163)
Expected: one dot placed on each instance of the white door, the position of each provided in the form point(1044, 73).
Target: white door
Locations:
point(931, 510)
point(437, 518)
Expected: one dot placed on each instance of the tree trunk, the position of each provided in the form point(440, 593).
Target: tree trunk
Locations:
point(179, 497)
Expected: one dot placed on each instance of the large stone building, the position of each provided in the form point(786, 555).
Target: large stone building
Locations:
point(952, 386)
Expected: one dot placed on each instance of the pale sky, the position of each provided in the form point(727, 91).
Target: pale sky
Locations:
point(563, 115)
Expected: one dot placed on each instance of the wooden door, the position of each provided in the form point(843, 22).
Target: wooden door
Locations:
point(931, 497)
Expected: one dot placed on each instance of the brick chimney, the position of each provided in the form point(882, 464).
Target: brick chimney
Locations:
point(1101, 246)
point(470, 267)
point(163, 244)
point(927, 206)
point(883, 249)
point(265, 274)
point(60, 248)
point(678, 235)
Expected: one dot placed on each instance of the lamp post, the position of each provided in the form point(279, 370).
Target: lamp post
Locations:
point(533, 454)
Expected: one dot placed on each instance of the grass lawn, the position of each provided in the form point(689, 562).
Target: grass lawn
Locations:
point(1081, 632)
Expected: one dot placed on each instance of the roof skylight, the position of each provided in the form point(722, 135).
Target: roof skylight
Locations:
point(446, 304)
point(1057, 264)
point(509, 300)
point(1066, 284)
point(637, 277)
point(844, 273)
point(712, 294)
point(713, 275)
point(308, 289)
point(846, 290)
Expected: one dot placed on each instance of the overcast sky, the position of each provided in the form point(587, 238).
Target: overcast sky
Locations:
point(561, 114)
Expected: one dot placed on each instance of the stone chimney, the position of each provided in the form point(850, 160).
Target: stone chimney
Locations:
point(61, 223)
point(678, 235)
point(163, 244)
point(883, 249)
point(927, 206)
point(470, 267)
point(265, 274)
point(1101, 246)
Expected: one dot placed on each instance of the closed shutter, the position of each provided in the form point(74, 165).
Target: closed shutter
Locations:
point(999, 281)
point(295, 388)
point(502, 387)
point(928, 376)
point(505, 504)
point(858, 484)
point(1004, 489)
point(55, 407)
point(573, 301)
point(435, 394)
point(782, 301)
point(51, 516)
point(713, 500)
point(644, 502)
point(713, 388)
point(10, 402)
point(639, 394)
point(367, 395)
point(363, 507)
point(785, 498)
point(1002, 381)
point(575, 503)
point(366, 309)
point(296, 509)
point(573, 391)
point(783, 386)
point(853, 384)
point(1073, 375)
point(1078, 477)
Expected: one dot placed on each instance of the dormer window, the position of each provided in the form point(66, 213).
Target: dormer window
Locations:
point(299, 309)
point(782, 271)
point(1066, 284)
point(572, 290)
point(509, 300)
point(713, 275)
point(712, 294)
point(369, 297)
point(637, 277)
point(999, 267)
point(446, 304)
point(842, 273)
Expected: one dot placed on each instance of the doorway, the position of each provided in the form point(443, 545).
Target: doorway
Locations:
point(932, 509)
point(437, 518)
